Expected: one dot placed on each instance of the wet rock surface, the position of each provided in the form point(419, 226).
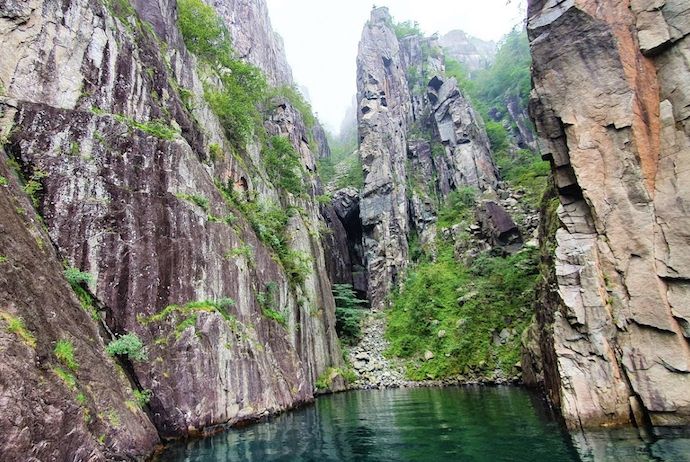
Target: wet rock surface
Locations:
point(49, 411)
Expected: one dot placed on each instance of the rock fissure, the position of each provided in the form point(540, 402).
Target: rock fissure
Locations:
point(192, 214)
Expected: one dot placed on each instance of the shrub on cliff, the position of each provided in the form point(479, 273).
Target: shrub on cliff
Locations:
point(348, 313)
point(243, 86)
point(128, 345)
point(283, 165)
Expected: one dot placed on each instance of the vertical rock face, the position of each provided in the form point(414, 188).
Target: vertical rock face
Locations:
point(84, 92)
point(403, 93)
point(49, 411)
point(611, 105)
point(254, 39)
point(384, 109)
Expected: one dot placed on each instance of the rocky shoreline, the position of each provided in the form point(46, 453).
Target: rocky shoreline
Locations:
point(375, 371)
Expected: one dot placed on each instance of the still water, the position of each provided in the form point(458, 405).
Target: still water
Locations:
point(479, 424)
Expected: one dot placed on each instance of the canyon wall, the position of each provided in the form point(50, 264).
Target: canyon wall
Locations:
point(105, 123)
point(419, 140)
point(611, 105)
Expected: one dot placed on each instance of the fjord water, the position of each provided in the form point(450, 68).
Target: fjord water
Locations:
point(472, 424)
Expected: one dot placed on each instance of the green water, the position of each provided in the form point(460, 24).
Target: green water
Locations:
point(450, 424)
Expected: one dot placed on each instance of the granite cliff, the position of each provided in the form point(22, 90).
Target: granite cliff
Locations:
point(610, 103)
point(415, 125)
point(184, 237)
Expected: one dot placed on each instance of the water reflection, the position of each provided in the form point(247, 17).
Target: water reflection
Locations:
point(453, 424)
point(625, 444)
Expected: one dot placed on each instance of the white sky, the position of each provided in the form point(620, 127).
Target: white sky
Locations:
point(321, 38)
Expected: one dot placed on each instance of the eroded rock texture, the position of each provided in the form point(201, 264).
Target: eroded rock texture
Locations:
point(611, 105)
point(144, 214)
point(43, 415)
point(419, 140)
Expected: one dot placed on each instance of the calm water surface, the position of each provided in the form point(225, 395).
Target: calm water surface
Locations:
point(449, 424)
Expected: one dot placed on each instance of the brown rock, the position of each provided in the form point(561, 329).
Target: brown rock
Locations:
point(611, 121)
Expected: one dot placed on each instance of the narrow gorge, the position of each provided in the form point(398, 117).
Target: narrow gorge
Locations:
point(185, 250)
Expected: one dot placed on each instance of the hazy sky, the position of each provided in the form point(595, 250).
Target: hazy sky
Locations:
point(321, 38)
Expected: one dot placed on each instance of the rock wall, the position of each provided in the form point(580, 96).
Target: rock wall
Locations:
point(45, 416)
point(611, 106)
point(84, 92)
point(419, 140)
point(384, 108)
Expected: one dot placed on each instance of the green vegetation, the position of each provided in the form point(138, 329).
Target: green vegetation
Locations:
point(3, 181)
point(245, 251)
point(34, 186)
point(128, 345)
point(216, 152)
point(283, 165)
point(69, 379)
point(3, 259)
point(186, 315)
point(204, 33)
point(344, 167)
point(195, 199)
point(121, 9)
point(64, 352)
point(269, 221)
point(458, 207)
point(456, 310)
point(142, 397)
point(525, 171)
point(76, 277)
point(297, 101)
point(157, 128)
point(79, 282)
point(243, 86)
point(348, 314)
point(325, 380)
point(268, 302)
point(406, 29)
point(324, 199)
point(15, 325)
point(114, 418)
point(507, 79)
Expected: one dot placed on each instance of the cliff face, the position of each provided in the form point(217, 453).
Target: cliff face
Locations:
point(419, 140)
point(49, 410)
point(611, 108)
point(103, 110)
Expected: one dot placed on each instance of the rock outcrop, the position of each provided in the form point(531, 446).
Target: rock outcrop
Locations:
point(474, 53)
point(103, 114)
point(419, 140)
point(610, 104)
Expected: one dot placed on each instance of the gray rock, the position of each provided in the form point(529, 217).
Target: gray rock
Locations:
point(610, 322)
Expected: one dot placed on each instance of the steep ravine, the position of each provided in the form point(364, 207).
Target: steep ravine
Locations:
point(168, 250)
